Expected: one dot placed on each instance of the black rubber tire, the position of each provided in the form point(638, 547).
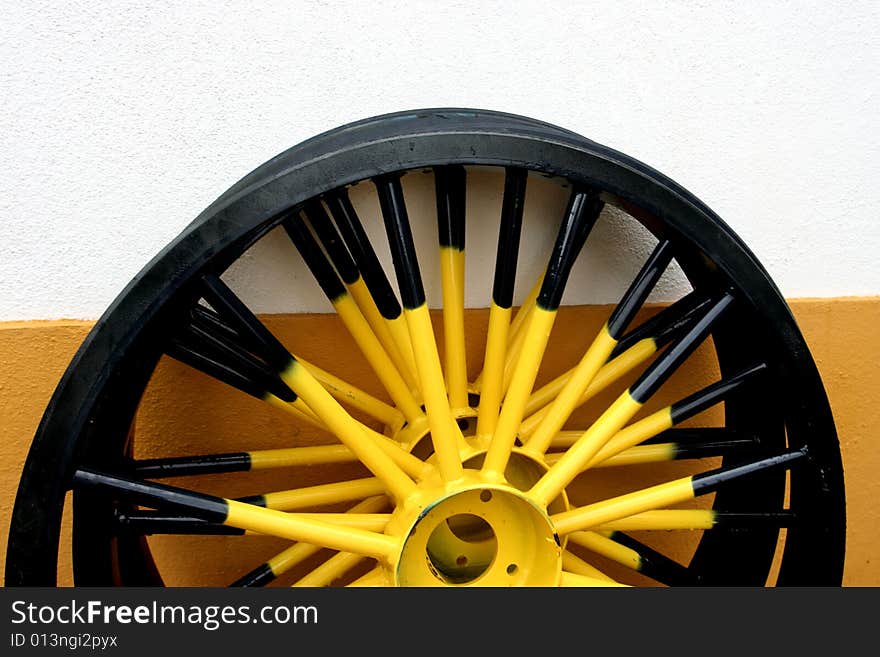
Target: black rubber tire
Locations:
point(94, 402)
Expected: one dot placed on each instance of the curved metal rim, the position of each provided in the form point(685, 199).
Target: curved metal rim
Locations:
point(401, 141)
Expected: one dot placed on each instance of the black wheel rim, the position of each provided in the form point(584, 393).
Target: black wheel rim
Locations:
point(89, 417)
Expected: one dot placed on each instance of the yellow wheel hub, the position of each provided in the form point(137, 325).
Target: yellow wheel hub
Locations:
point(482, 535)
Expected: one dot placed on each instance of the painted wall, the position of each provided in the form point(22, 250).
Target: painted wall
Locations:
point(119, 122)
point(183, 409)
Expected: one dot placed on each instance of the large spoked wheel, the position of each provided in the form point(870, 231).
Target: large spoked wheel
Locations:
point(522, 446)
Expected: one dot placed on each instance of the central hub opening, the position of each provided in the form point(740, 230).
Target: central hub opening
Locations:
point(461, 548)
point(486, 535)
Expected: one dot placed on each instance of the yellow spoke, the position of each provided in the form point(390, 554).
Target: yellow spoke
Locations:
point(624, 440)
point(348, 430)
point(321, 494)
point(491, 389)
point(377, 357)
point(638, 455)
point(608, 548)
point(514, 351)
point(332, 569)
point(574, 564)
point(572, 579)
point(537, 334)
point(537, 406)
point(513, 338)
point(569, 398)
point(367, 305)
point(297, 408)
point(445, 434)
point(400, 332)
point(355, 397)
point(307, 530)
point(374, 522)
point(521, 317)
point(410, 464)
point(452, 279)
point(615, 508)
point(299, 552)
point(584, 449)
point(263, 459)
point(662, 520)
point(375, 577)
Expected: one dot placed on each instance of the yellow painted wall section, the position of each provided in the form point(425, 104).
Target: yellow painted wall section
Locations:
point(185, 412)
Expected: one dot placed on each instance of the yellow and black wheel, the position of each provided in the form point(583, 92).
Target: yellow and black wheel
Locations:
point(507, 440)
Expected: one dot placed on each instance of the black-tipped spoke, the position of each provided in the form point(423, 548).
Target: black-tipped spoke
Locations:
point(259, 576)
point(581, 214)
point(359, 328)
point(509, 231)
point(656, 565)
point(148, 523)
point(400, 239)
point(314, 258)
point(203, 341)
point(445, 433)
point(667, 324)
point(670, 360)
point(707, 482)
point(611, 510)
point(159, 496)
point(184, 466)
point(235, 313)
point(582, 375)
point(639, 289)
point(450, 184)
point(362, 251)
point(332, 242)
point(584, 207)
point(713, 394)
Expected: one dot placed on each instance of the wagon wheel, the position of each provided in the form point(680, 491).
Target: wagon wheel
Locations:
point(472, 472)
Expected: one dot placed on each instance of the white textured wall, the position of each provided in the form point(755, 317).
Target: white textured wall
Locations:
point(119, 121)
